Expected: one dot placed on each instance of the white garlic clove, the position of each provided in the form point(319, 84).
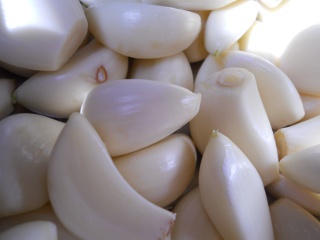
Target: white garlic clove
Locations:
point(311, 105)
point(209, 66)
point(7, 87)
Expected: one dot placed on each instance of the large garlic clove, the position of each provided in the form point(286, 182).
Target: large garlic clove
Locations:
point(226, 25)
point(40, 35)
point(297, 137)
point(162, 171)
point(278, 94)
point(290, 221)
point(192, 220)
point(303, 168)
point(26, 141)
point(198, 5)
point(7, 87)
point(90, 196)
point(132, 114)
point(299, 60)
point(142, 30)
point(62, 92)
point(232, 191)
point(311, 105)
point(285, 188)
point(173, 69)
point(35, 230)
point(231, 103)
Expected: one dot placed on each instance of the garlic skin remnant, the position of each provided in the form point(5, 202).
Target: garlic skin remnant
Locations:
point(40, 35)
point(85, 185)
point(122, 110)
point(6, 89)
point(137, 30)
point(232, 192)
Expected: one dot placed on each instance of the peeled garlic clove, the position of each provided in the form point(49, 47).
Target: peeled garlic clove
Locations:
point(6, 89)
point(85, 185)
point(27, 31)
point(35, 230)
point(303, 168)
point(62, 92)
point(162, 171)
point(285, 188)
point(94, 2)
point(132, 114)
point(192, 221)
point(299, 61)
point(311, 105)
point(232, 191)
point(137, 30)
point(279, 96)
point(26, 141)
point(226, 25)
point(174, 69)
point(191, 4)
point(297, 137)
point(231, 103)
point(290, 221)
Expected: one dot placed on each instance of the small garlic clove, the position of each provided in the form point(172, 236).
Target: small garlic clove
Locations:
point(7, 87)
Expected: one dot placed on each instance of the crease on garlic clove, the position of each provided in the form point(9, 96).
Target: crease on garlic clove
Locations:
point(7, 87)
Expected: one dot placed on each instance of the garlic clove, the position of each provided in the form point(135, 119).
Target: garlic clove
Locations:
point(311, 105)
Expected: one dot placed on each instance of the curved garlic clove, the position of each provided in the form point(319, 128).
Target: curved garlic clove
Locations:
point(132, 114)
point(95, 192)
point(35, 230)
point(230, 102)
point(161, 172)
point(303, 168)
point(7, 87)
point(299, 61)
point(192, 221)
point(311, 105)
point(62, 92)
point(40, 35)
point(137, 30)
point(278, 94)
point(285, 188)
point(291, 221)
point(297, 137)
point(174, 69)
point(26, 141)
point(226, 25)
point(228, 178)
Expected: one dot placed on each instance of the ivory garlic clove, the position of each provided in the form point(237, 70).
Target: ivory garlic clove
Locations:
point(285, 188)
point(35, 230)
point(232, 191)
point(303, 168)
point(192, 220)
point(297, 137)
point(174, 69)
point(85, 187)
point(132, 114)
point(209, 66)
point(162, 171)
point(137, 30)
point(291, 221)
point(230, 102)
point(7, 87)
point(62, 92)
point(26, 141)
point(88, 3)
point(40, 35)
point(311, 105)
point(226, 25)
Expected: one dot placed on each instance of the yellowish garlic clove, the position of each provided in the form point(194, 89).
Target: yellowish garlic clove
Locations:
point(311, 105)
point(230, 102)
point(303, 168)
point(85, 185)
point(62, 92)
point(137, 30)
point(132, 114)
point(162, 171)
point(35, 230)
point(291, 221)
point(285, 188)
point(174, 69)
point(7, 87)
point(232, 191)
point(40, 35)
point(192, 220)
point(26, 141)
point(226, 25)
